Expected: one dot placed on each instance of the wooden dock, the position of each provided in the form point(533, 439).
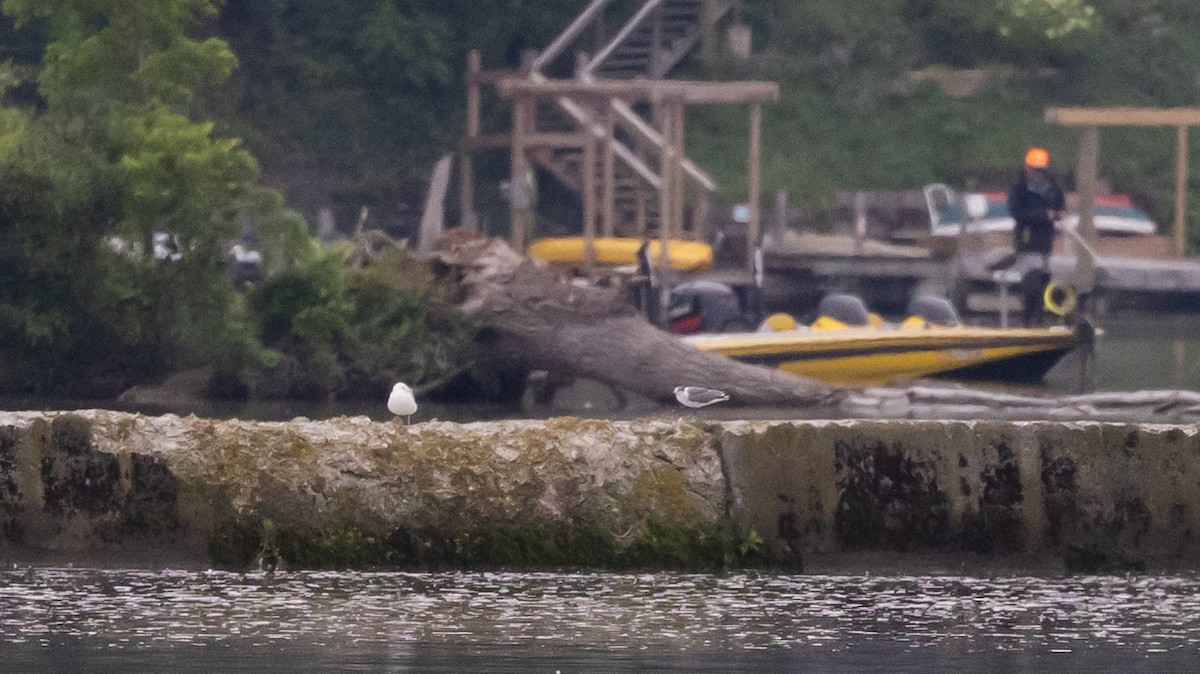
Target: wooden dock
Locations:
point(806, 266)
point(800, 268)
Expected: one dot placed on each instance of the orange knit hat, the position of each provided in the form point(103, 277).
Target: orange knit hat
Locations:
point(1037, 158)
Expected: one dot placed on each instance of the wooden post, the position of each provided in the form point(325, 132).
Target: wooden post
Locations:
point(1181, 184)
point(466, 166)
point(1086, 172)
point(666, 195)
point(589, 196)
point(781, 208)
point(753, 182)
point(700, 215)
point(676, 111)
point(860, 221)
point(639, 206)
point(517, 171)
point(610, 169)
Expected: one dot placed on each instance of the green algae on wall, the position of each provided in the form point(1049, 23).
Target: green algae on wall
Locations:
point(528, 546)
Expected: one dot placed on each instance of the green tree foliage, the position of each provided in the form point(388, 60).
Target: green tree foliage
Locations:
point(359, 86)
point(107, 158)
point(366, 95)
point(352, 335)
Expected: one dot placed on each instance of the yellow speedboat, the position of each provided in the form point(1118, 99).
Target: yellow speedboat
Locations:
point(870, 353)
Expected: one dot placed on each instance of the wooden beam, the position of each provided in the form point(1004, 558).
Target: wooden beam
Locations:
point(645, 90)
point(609, 212)
point(700, 216)
point(678, 199)
point(589, 205)
point(639, 207)
point(1123, 116)
point(666, 207)
point(522, 111)
point(1181, 187)
point(483, 77)
point(497, 141)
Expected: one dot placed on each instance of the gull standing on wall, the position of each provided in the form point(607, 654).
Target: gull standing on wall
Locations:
point(401, 402)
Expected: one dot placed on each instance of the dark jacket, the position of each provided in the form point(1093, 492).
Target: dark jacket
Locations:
point(1034, 231)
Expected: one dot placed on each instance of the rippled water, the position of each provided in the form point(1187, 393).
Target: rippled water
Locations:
point(106, 620)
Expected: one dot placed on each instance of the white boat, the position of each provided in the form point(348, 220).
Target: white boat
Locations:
point(984, 212)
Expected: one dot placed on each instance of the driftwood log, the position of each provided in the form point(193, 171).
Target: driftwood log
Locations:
point(533, 319)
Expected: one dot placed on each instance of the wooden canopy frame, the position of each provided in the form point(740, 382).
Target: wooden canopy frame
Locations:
point(1087, 169)
point(671, 96)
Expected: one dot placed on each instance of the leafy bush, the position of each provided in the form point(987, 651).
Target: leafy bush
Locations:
point(351, 334)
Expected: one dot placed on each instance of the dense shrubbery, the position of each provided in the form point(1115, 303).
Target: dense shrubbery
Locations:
point(104, 155)
point(349, 334)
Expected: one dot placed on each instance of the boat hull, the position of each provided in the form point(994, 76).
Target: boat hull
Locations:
point(873, 357)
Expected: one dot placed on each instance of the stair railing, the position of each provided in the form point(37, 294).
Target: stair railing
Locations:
point(569, 35)
point(647, 9)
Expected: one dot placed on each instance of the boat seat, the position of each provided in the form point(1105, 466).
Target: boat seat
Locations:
point(838, 311)
point(779, 322)
point(931, 310)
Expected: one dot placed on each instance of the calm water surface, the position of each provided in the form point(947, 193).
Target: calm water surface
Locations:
point(191, 621)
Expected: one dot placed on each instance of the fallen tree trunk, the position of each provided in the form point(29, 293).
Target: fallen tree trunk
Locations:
point(532, 319)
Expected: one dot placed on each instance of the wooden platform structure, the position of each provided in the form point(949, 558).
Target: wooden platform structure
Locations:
point(599, 98)
point(609, 125)
point(1087, 167)
point(658, 165)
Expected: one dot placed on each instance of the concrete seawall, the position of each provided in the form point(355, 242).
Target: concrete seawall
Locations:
point(88, 485)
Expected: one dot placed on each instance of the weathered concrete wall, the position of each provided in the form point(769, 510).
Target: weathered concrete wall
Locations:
point(1096, 495)
point(75, 482)
point(1100, 495)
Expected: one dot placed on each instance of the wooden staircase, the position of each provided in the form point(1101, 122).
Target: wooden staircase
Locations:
point(610, 128)
point(657, 38)
point(648, 45)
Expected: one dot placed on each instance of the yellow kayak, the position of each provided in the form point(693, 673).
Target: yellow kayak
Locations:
point(684, 256)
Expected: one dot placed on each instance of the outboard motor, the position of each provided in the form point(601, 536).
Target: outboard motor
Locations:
point(704, 306)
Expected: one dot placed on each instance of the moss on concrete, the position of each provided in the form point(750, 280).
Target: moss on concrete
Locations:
point(888, 499)
point(996, 525)
point(530, 546)
point(10, 490)
point(75, 478)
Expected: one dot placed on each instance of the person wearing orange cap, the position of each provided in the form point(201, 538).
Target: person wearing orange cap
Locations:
point(1035, 202)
